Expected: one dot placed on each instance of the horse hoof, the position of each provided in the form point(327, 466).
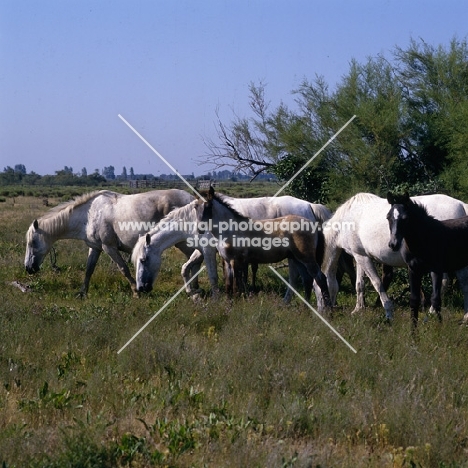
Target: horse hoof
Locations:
point(196, 292)
point(196, 297)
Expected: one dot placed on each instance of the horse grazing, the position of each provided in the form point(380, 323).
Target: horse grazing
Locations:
point(429, 245)
point(275, 207)
point(359, 227)
point(243, 240)
point(105, 221)
point(180, 225)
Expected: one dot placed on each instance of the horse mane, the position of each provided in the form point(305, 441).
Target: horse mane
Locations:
point(332, 234)
point(417, 209)
point(183, 213)
point(361, 197)
point(221, 199)
point(54, 219)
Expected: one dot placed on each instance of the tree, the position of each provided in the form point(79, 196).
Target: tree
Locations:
point(124, 173)
point(435, 80)
point(410, 128)
point(20, 169)
point(108, 172)
point(84, 172)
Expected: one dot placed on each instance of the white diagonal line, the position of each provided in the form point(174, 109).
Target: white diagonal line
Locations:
point(313, 310)
point(314, 156)
point(160, 156)
point(160, 310)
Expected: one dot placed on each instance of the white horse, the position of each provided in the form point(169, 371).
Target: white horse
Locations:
point(360, 227)
point(255, 208)
point(105, 221)
point(180, 225)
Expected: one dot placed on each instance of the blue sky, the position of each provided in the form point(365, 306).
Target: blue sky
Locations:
point(69, 67)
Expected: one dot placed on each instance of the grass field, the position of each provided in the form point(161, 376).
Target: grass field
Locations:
point(220, 383)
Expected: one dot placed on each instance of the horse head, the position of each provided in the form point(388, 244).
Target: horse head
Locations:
point(147, 263)
point(397, 219)
point(205, 210)
point(38, 245)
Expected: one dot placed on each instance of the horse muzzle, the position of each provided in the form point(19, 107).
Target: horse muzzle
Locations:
point(394, 245)
point(31, 269)
point(145, 288)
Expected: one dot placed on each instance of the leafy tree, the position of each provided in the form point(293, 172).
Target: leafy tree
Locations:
point(67, 170)
point(20, 169)
point(435, 80)
point(108, 172)
point(410, 128)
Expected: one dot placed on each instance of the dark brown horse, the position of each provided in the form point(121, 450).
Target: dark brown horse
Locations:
point(427, 245)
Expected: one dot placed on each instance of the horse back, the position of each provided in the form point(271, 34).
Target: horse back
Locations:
point(448, 247)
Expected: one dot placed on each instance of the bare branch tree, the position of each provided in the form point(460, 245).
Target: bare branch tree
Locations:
point(245, 146)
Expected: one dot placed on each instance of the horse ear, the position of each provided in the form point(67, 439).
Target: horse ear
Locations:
point(35, 224)
point(148, 239)
point(390, 198)
point(406, 197)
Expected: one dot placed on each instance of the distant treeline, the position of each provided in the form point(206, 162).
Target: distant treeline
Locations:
point(66, 177)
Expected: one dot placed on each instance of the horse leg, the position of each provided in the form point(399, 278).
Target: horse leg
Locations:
point(122, 265)
point(462, 276)
point(329, 268)
point(366, 264)
point(293, 267)
point(229, 278)
point(387, 278)
point(346, 265)
point(436, 301)
point(193, 267)
point(254, 267)
point(210, 260)
point(93, 257)
point(244, 275)
point(239, 267)
point(360, 285)
point(195, 259)
point(296, 269)
point(415, 280)
point(316, 273)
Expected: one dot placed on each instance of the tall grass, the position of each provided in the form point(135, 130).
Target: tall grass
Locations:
point(243, 382)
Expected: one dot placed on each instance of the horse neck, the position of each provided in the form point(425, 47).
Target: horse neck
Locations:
point(420, 231)
point(166, 238)
point(63, 225)
point(75, 228)
point(222, 213)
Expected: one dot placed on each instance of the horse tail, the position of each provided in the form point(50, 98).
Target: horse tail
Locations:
point(320, 249)
point(321, 214)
